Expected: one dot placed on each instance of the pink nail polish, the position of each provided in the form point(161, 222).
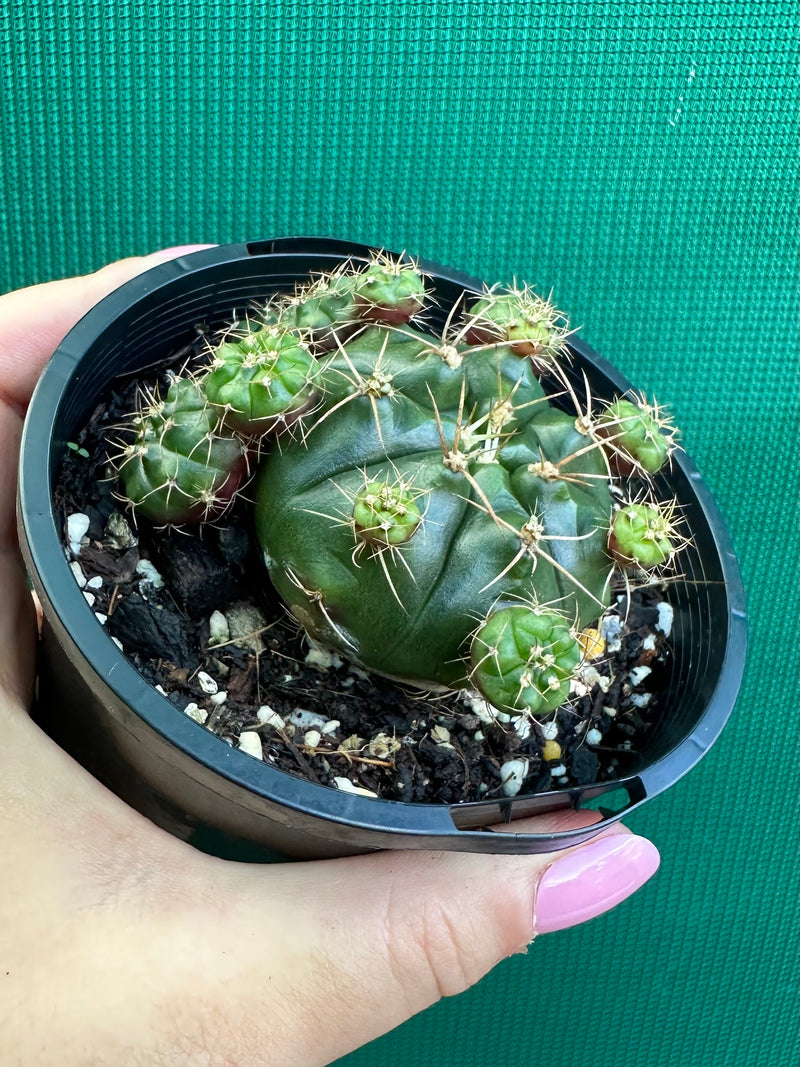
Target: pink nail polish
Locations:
point(178, 250)
point(594, 878)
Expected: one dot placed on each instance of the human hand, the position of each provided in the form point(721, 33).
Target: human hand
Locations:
point(122, 945)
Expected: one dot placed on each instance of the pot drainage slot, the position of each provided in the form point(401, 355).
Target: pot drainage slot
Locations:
point(613, 801)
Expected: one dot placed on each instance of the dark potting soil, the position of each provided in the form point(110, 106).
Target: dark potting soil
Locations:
point(183, 607)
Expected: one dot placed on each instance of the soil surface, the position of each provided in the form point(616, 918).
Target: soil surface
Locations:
point(183, 606)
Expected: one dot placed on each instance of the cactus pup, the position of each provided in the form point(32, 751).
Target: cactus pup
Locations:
point(181, 465)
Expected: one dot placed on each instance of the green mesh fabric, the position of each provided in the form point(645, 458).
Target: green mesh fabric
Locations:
point(638, 159)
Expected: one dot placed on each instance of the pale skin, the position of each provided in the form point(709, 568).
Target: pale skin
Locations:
point(122, 945)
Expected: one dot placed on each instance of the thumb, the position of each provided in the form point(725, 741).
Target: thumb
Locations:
point(376, 939)
point(419, 926)
point(33, 321)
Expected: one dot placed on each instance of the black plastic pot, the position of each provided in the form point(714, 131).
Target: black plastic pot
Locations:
point(94, 702)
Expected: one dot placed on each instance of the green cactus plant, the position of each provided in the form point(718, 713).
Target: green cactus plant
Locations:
point(523, 658)
point(181, 465)
point(639, 437)
point(388, 291)
point(642, 535)
point(515, 506)
point(262, 380)
point(531, 325)
point(438, 518)
point(333, 306)
point(385, 514)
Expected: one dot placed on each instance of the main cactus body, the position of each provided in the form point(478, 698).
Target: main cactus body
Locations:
point(514, 508)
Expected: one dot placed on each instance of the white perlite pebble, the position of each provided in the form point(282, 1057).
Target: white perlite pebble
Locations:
point(219, 697)
point(550, 730)
point(250, 742)
point(347, 786)
point(610, 629)
point(95, 583)
point(331, 726)
point(322, 658)
point(77, 529)
point(218, 632)
point(197, 713)
point(649, 643)
point(638, 675)
point(150, 576)
point(480, 707)
point(306, 719)
point(559, 771)
point(80, 577)
point(89, 598)
point(118, 643)
point(440, 735)
point(641, 700)
point(593, 737)
point(665, 617)
point(523, 727)
point(312, 738)
point(207, 683)
point(512, 775)
point(101, 618)
point(268, 717)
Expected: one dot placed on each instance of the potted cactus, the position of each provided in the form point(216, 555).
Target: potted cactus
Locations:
point(454, 505)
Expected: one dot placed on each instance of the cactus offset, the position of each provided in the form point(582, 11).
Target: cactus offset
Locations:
point(262, 380)
point(333, 306)
point(638, 436)
point(388, 291)
point(182, 466)
point(642, 535)
point(530, 325)
point(523, 659)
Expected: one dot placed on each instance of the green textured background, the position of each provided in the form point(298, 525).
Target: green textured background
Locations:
point(638, 158)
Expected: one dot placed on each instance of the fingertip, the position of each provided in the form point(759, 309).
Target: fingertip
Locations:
point(176, 251)
point(122, 270)
point(591, 879)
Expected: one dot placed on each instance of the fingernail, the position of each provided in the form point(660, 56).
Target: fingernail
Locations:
point(178, 250)
point(594, 878)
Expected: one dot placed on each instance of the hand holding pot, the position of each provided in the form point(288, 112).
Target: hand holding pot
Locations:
point(121, 944)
